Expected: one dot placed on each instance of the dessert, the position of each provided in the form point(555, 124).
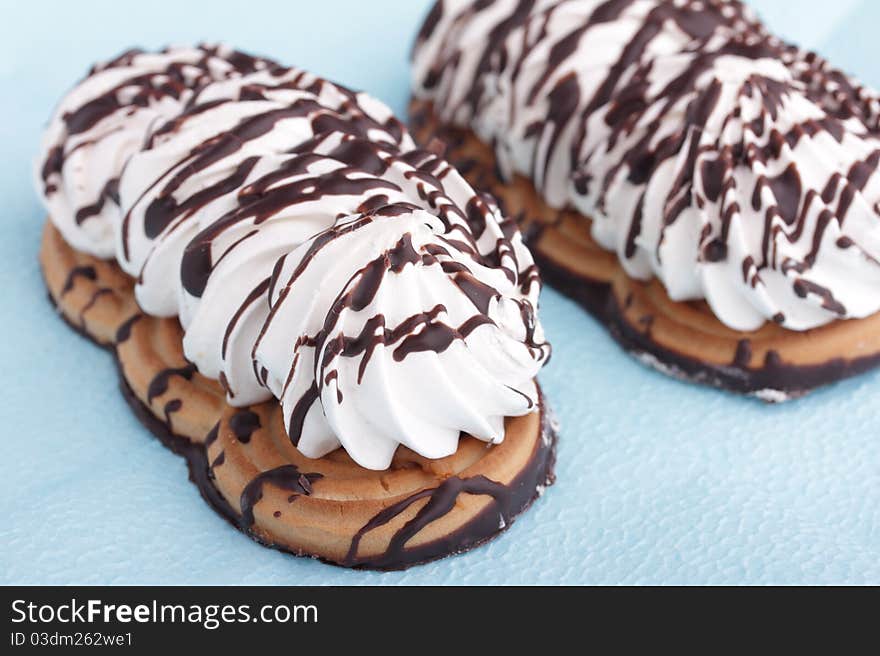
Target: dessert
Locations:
point(707, 190)
point(333, 326)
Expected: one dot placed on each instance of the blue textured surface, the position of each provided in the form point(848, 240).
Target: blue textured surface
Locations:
point(658, 481)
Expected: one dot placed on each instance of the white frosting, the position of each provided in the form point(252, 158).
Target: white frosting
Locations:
point(455, 379)
point(112, 109)
point(705, 78)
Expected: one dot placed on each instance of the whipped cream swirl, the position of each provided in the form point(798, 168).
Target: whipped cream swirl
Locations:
point(314, 254)
point(414, 338)
point(732, 166)
point(104, 119)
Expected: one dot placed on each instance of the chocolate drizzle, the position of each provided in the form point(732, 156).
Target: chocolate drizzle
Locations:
point(441, 500)
point(264, 198)
point(159, 384)
point(743, 355)
point(110, 191)
point(86, 271)
point(123, 333)
point(286, 477)
point(300, 410)
point(437, 337)
point(243, 424)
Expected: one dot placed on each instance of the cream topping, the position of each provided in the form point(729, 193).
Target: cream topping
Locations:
point(104, 119)
point(708, 153)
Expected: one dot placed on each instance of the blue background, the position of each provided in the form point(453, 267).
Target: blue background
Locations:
point(658, 481)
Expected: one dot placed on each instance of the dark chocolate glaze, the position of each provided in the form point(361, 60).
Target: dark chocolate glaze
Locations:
point(738, 377)
point(86, 271)
point(256, 296)
point(123, 333)
point(159, 385)
point(94, 298)
point(196, 455)
point(170, 407)
point(743, 353)
point(287, 477)
point(441, 500)
point(243, 423)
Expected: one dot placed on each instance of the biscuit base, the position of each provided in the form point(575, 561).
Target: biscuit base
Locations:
point(247, 469)
point(93, 295)
point(682, 339)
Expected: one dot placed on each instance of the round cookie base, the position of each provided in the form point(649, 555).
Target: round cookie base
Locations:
point(481, 529)
point(420, 511)
point(416, 511)
point(681, 339)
